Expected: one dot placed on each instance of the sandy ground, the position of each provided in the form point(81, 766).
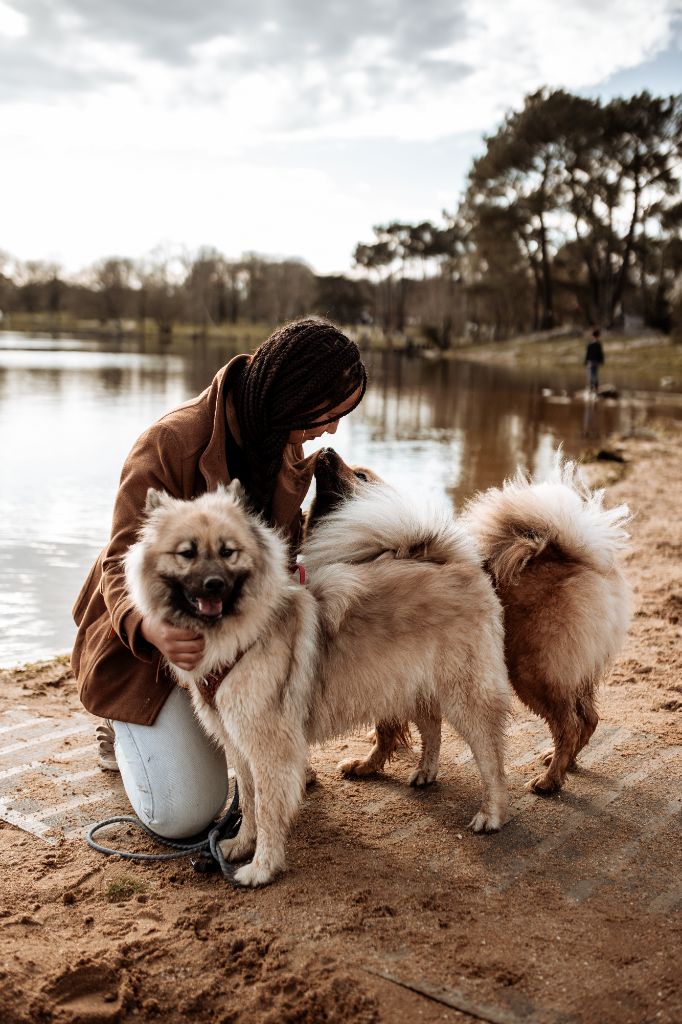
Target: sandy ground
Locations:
point(571, 914)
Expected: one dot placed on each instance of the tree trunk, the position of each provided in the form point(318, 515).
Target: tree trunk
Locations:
point(621, 280)
point(547, 284)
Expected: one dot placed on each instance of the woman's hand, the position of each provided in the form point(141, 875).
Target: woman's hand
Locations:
point(181, 647)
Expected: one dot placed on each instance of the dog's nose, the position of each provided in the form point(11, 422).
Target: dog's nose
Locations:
point(214, 584)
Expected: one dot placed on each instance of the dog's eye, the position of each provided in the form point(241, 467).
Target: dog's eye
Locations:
point(226, 552)
point(361, 476)
point(187, 553)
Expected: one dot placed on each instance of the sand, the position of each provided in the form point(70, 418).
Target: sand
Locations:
point(571, 913)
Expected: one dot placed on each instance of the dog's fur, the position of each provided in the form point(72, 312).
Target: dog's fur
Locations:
point(552, 552)
point(382, 639)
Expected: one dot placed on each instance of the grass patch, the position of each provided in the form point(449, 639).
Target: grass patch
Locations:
point(31, 667)
point(123, 888)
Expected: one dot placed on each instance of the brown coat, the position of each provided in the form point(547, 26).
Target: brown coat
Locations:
point(119, 674)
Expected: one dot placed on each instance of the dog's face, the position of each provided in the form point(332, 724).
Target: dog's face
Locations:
point(194, 558)
point(335, 482)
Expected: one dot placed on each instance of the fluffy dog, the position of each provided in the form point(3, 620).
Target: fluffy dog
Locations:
point(551, 550)
point(286, 665)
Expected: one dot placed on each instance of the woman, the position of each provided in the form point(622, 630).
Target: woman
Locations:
point(249, 424)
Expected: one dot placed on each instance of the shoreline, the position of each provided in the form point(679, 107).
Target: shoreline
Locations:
point(597, 472)
point(646, 352)
point(655, 359)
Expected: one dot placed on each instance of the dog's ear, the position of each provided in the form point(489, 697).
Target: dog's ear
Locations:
point(236, 490)
point(155, 499)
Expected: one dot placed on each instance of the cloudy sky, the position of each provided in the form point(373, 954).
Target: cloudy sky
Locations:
point(286, 127)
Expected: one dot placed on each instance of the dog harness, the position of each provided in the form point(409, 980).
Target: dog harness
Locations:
point(208, 684)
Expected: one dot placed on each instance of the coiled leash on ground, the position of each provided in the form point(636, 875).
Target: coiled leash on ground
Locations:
point(209, 856)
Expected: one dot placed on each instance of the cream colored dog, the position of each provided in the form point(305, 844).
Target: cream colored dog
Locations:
point(553, 553)
point(368, 638)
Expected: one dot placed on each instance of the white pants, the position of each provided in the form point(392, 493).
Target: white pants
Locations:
point(174, 776)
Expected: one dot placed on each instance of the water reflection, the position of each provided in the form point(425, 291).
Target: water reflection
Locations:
point(488, 420)
point(70, 411)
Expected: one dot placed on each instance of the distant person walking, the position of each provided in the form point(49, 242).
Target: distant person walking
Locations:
point(594, 357)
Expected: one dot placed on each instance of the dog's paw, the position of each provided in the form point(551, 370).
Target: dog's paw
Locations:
point(544, 785)
point(357, 767)
point(548, 757)
point(422, 777)
point(487, 821)
point(256, 873)
point(310, 775)
point(240, 848)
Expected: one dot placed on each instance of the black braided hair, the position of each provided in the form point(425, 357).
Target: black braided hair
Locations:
point(304, 370)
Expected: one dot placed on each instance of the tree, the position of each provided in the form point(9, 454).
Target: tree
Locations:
point(502, 297)
point(621, 186)
point(159, 296)
point(378, 257)
point(276, 290)
point(341, 298)
point(112, 279)
point(39, 286)
point(204, 288)
point(570, 170)
point(7, 286)
point(523, 171)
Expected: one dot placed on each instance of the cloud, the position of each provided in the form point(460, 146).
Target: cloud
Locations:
point(227, 42)
point(13, 24)
point(136, 120)
point(276, 33)
point(308, 69)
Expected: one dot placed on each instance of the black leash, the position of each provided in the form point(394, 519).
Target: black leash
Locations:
point(208, 858)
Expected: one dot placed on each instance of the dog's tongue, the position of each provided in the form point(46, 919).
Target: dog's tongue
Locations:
point(210, 605)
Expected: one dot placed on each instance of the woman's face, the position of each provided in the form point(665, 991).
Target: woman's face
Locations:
point(299, 436)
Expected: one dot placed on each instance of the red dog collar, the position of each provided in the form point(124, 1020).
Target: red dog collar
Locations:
point(208, 684)
point(300, 569)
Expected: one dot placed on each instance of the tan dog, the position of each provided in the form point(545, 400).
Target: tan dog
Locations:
point(367, 638)
point(552, 552)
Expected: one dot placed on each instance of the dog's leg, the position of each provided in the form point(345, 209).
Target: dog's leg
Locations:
point(387, 736)
point(244, 843)
point(565, 726)
point(482, 726)
point(589, 720)
point(277, 764)
point(430, 732)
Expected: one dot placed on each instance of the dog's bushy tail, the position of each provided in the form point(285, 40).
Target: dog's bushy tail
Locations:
point(380, 522)
point(561, 518)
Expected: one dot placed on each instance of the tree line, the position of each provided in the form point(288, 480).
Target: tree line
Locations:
point(571, 214)
point(204, 290)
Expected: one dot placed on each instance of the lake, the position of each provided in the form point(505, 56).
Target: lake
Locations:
point(70, 411)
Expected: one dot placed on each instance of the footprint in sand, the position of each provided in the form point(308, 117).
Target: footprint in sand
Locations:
point(86, 994)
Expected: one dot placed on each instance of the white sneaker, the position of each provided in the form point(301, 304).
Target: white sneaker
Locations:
point(106, 755)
